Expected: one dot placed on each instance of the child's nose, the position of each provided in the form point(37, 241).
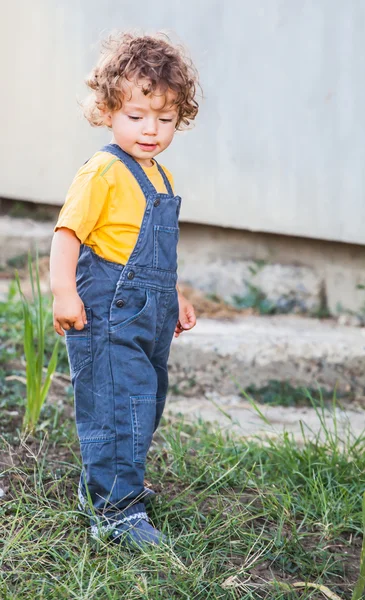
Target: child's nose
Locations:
point(150, 127)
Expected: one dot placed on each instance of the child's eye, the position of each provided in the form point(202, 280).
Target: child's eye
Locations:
point(134, 118)
point(166, 120)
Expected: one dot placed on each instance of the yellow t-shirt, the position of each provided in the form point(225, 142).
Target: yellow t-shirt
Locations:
point(105, 206)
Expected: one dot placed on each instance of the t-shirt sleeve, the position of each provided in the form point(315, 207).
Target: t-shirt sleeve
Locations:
point(83, 205)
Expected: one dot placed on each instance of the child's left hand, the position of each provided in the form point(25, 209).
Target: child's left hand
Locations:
point(187, 318)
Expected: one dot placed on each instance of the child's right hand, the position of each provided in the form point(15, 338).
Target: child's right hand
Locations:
point(68, 311)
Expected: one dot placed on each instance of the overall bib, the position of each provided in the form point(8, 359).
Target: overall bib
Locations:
point(118, 362)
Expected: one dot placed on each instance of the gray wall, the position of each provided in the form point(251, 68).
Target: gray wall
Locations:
point(279, 143)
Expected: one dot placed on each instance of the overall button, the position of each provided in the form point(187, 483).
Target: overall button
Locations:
point(120, 303)
point(130, 275)
point(156, 202)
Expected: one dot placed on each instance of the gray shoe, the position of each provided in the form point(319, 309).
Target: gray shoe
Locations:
point(138, 533)
point(130, 528)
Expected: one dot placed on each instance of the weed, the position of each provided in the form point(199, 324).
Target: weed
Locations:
point(36, 318)
point(256, 299)
point(214, 297)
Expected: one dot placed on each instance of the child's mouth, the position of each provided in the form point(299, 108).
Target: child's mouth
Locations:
point(147, 147)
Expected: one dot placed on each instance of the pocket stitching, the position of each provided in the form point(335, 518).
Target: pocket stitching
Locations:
point(156, 230)
point(97, 439)
point(87, 336)
point(155, 248)
point(113, 328)
point(166, 229)
point(135, 425)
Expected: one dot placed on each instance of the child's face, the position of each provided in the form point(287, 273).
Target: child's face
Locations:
point(145, 125)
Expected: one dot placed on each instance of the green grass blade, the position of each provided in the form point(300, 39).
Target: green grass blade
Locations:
point(30, 269)
point(52, 365)
point(360, 585)
point(36, 318)
point(252, 403)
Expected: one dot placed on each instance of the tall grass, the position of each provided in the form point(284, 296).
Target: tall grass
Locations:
point(36, 320)
point(249, 520)
point(360, 585)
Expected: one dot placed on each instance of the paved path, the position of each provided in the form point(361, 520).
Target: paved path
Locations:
point(232, 413)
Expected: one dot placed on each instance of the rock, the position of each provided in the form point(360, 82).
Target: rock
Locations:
point(288, 288)
point(351, 320)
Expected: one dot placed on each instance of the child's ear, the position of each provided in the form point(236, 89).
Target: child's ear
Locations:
point(107, 117)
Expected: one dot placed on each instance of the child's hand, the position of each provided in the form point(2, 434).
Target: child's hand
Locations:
point(68, 311)
point(187, 318)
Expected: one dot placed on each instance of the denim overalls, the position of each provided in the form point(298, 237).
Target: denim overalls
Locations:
point(118, 362)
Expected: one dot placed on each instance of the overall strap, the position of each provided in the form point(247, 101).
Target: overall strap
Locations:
point(135, 168)
point(165, 178)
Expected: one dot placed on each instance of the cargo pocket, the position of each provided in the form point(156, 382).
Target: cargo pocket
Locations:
point(143, 413)
point(165, 241)
point(79, 346)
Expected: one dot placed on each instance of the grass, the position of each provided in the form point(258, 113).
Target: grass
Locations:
point(282, 393)
point(36, 321)
point(251, 518)
point(12, 332)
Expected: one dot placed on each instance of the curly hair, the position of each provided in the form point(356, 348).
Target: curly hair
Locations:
point(132, 57)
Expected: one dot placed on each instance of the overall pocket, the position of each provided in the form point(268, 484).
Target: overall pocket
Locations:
point(79, 346)
point(128, 307)
point(143, 414)
point(165, 241)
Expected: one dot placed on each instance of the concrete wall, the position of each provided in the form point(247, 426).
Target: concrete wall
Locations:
point(279, 144)
point(214, 259)
point(315, 274)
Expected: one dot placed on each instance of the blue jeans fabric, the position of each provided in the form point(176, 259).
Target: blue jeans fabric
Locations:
point(118, 362)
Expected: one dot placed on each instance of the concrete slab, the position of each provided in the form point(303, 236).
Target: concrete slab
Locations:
point(234, 414)
point(224, 356)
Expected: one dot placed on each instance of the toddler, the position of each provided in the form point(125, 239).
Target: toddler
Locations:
point(113, 277)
